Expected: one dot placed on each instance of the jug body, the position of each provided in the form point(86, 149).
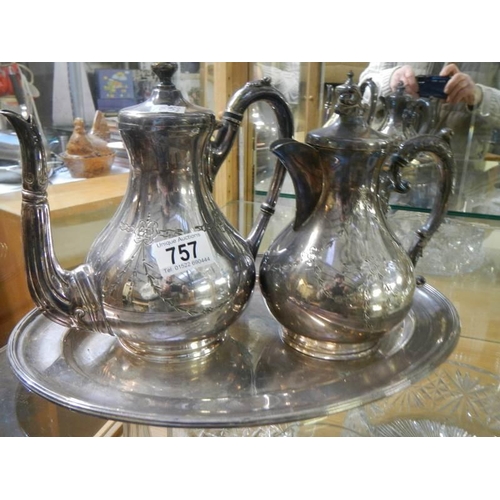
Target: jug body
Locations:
point(340, 280)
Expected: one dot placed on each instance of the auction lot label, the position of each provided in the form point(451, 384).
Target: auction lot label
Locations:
point(182, 253)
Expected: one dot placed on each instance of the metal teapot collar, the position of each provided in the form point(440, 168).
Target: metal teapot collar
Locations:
point(166, 106)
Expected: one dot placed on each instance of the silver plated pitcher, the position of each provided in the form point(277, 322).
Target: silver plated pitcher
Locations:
point(336, 279)
point(168, 274)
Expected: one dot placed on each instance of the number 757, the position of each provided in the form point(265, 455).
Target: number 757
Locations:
point(185, 253)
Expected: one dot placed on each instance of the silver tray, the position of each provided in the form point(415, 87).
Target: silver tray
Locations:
point(253, 378)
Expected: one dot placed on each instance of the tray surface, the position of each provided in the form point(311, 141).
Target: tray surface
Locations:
point(253, 378)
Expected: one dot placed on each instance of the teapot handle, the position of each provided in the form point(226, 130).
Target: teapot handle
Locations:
point(408, 150)
point(260, 90)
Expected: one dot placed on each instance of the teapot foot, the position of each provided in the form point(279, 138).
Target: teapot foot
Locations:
point(328, 350)
point(186, 351)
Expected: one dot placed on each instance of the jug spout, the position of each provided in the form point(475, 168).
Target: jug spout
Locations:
point(302, 162)
point(66, 297)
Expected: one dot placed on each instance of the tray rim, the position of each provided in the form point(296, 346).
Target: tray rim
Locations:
point(255, 419)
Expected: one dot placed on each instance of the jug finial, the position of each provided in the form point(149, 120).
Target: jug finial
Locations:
point(349, 97)
point(165, 71)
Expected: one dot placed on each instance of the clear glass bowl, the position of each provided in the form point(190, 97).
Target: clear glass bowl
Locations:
point(308, 428)
point(456, 400)
point(456, 248)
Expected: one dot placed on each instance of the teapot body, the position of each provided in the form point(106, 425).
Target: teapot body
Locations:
point(172, 272)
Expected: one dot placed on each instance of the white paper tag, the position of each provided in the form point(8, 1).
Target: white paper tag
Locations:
point(167, 108)
point(182, 253)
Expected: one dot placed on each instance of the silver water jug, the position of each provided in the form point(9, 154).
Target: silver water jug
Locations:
point(168, 274)
point(336, 279)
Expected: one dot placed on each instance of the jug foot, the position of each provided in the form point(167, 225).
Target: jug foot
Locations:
point(186, 351)
point(328, 350)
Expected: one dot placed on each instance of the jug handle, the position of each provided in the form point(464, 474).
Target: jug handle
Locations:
point(438, 145)
point(259, 90)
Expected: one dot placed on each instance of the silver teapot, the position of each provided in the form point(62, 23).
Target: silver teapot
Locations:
point(337, 279)
point(168, 274)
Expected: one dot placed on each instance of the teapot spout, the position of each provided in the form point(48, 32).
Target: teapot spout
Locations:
point(34, 163)
point(303, 164)
point(66, 297)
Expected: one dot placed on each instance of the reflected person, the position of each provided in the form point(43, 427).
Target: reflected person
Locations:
point(471, 109)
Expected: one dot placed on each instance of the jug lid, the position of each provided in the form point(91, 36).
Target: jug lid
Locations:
point(166, 106)
point(351, 130)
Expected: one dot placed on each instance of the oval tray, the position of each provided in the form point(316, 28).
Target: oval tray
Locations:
point(253, 378)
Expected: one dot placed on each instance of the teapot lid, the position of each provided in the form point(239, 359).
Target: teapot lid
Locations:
point(351, 130)
point(166, 106)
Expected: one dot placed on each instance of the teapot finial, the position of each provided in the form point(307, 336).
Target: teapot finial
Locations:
point(165, 71)
point(349, 97)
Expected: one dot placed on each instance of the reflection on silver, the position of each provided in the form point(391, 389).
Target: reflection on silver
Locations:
point(336, 279)
point(169, 273)
point(406, 117)
point(252, 379)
